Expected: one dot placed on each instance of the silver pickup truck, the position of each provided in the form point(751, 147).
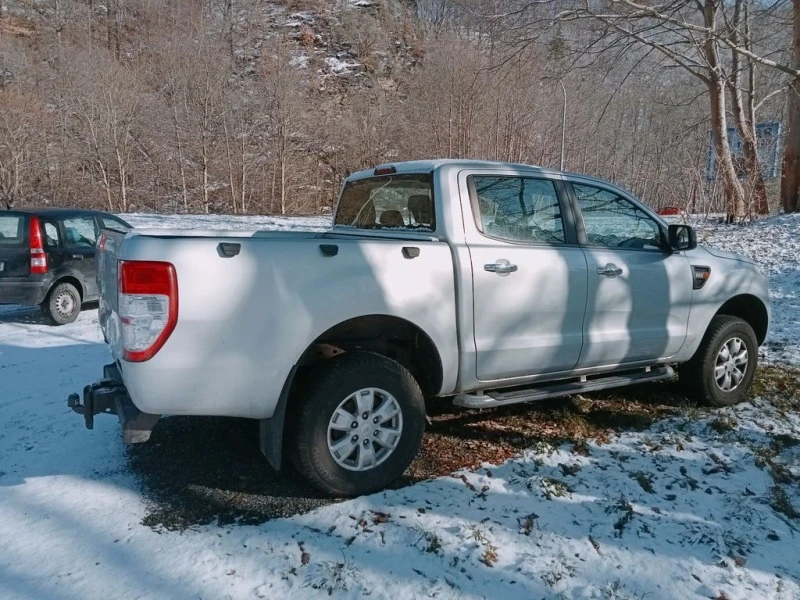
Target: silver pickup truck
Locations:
point(490, 283)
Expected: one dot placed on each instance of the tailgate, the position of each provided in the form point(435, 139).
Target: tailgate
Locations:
point(107, 266)
point(15, 256)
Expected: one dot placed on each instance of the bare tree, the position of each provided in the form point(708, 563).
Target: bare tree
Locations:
point(19, 117)
point(790, 179)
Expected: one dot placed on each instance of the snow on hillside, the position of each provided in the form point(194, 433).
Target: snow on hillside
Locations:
point(689, 508)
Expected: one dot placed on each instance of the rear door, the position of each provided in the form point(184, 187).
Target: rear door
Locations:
point(15, 256)
point(529, 276)
point(80, 242)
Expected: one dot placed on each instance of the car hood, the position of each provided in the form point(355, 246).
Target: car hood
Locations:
point(727, 255)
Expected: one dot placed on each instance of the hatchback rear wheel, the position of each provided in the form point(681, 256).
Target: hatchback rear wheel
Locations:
point(62, 305)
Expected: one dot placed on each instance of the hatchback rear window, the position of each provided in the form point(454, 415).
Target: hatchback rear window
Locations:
point(388, 202)
point(12, 230)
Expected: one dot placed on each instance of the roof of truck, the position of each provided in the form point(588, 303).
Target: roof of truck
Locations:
point(423, 166)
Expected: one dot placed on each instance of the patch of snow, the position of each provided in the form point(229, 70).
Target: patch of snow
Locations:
point(306, 16)
point(299, 60)
point(342, 67)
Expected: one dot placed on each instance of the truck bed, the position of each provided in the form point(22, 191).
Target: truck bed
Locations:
point(245, 320)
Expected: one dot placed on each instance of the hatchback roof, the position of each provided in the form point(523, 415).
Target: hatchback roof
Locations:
point(56, 212)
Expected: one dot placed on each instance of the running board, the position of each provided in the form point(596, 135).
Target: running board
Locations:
point(554, 390)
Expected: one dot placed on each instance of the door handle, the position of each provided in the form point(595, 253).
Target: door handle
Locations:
point(610, 270)
point(501, 267)
point(77, 256)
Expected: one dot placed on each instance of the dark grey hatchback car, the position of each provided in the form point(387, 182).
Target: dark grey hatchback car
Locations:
point(47, 258)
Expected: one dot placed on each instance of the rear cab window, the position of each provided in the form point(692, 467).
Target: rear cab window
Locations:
point(396, 201)
point(12, 230)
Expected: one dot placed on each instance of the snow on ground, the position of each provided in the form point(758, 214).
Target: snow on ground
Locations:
point(690, 508)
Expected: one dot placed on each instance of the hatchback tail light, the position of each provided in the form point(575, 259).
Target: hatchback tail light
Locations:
point(38, 256)
point(148, 307)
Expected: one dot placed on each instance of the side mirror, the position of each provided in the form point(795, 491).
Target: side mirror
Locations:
point(682, 237)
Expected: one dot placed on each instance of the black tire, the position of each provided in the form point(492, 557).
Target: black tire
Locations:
point(62, 305)
point(698, 375)
point(321, 395)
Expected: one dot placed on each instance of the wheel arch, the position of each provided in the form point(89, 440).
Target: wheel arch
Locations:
point(751, 309)
point(71, 279)
point(390, 336)
point(393, 337)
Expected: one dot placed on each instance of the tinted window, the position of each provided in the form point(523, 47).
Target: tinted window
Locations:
point(519, 209)
point(79, 232)
point(389, 202)
point(615, 222)
point(12, 229)
point(51, 237)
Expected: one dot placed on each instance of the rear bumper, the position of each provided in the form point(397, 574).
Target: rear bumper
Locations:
point(110, 396)
point(23, 291)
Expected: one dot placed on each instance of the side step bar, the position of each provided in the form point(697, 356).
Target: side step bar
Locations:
point(553, 390)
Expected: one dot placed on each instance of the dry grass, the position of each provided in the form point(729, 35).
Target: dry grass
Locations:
point(17, 27)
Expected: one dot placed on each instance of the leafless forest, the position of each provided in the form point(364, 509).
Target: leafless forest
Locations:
point(249, 106)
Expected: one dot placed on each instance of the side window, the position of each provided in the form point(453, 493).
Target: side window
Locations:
point(113, 223)
point(51, 237)
point(518, 209)
point(615, 222)
point(80, 232)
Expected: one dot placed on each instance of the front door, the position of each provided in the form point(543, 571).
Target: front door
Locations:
point(639, 293)
point(529, 278)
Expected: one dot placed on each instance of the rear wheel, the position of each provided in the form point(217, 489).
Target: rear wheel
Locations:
point(721, 370)
point(358, 425)
point(62, 305)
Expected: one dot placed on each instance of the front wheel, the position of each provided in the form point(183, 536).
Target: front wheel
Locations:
point(359, 424)
point(62, 305)
point(721, 370)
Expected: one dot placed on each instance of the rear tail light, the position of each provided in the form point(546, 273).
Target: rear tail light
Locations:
point(148, 307)
point(38, 256)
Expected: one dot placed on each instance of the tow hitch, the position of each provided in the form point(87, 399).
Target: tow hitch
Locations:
point(110, 396)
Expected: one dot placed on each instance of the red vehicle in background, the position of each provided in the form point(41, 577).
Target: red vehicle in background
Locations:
point(669, 211)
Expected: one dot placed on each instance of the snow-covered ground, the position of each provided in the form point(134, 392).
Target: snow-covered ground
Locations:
point(694, 507)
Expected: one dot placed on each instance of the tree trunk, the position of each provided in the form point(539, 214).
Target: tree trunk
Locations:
point(790, 179)
point(744, 117)
point(715, 82)
point(753, 166)
point(734, 193)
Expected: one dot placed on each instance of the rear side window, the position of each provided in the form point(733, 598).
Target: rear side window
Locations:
point(51, 237)
point(518, 209)
point(114, 223)
point(388, 202)
point(12, 230)
point(80, 232)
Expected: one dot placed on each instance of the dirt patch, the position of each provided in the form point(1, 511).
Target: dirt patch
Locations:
point(203, 470)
